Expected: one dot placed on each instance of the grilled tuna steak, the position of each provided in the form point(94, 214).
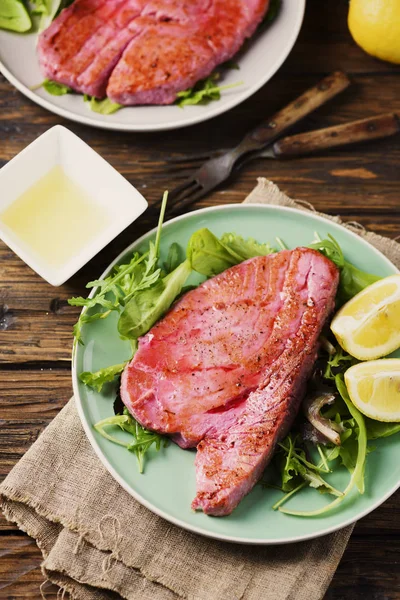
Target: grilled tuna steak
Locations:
point(84, 43)
point(225, 370)
point(144, 51)
point(180, 44)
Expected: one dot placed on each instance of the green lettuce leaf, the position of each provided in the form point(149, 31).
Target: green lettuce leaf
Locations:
point(147, 306)
point(377, 429)
point(210, 255)
point(124, 279)
point(243, 249)
point(352, 280)
point(103, 107)
point(174, 258)
point(14, 16)
point(56, 89)
point(204, 91)
point(41, 7)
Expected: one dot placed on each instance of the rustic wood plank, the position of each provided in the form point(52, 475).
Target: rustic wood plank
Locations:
point(34, 394)
point(369, 95)
point(369, 570)
point(361, 183)
point(30, 400)
point(20, 574)
point(361, 574)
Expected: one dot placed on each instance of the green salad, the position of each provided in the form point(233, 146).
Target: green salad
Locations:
point(142, 289)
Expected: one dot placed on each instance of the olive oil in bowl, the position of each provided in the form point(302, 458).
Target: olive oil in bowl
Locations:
point(54, 218)
point(61, 203)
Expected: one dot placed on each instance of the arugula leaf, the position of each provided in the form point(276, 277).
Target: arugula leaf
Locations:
point(128, 279)
point(104, 106)
point(143, 438)
point(97, 379)
point(352, 280)
point(355, 463)
point(203, 91)
point(338, 362)
point(123, 279)
point(56, 89)
point(14, 16)
point(146, 307)
point(315, 481)
point(329, 248)
point(296, 471)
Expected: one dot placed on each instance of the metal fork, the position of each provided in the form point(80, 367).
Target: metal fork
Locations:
point(216, 170)
point(262, 142)
point(368, 129)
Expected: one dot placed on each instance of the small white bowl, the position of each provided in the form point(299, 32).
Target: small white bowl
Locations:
point(95, 176)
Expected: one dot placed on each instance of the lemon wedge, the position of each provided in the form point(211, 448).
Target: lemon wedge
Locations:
point(374, 388)
point(368, 325)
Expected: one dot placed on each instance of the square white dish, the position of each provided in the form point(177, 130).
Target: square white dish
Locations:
point(107, 189)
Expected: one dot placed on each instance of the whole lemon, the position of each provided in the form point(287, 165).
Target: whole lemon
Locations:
point(375, 26)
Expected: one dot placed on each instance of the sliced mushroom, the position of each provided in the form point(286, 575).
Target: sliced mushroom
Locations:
point(312, 406)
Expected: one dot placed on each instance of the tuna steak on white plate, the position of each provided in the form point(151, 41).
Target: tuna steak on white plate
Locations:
point(144, 51)
point(225, 370)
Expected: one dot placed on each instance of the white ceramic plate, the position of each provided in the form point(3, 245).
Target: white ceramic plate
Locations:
point(264, 56)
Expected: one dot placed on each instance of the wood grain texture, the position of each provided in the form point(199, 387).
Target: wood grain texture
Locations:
point(362, 130)
point(362, 183)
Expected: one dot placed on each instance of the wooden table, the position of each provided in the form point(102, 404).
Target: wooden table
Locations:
point(361, 183)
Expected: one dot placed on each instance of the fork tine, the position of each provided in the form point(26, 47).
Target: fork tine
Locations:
point(191, 158)
point(187, 200)
point(183, 196)
point(174, 193)
point(178, 193)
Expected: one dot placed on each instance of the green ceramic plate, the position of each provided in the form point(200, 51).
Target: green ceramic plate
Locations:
point(168, 485)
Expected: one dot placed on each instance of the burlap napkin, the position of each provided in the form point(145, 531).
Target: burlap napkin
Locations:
point(98, 543)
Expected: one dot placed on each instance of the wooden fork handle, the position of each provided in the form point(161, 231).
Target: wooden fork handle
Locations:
point(350, 133)
point(274, 127)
